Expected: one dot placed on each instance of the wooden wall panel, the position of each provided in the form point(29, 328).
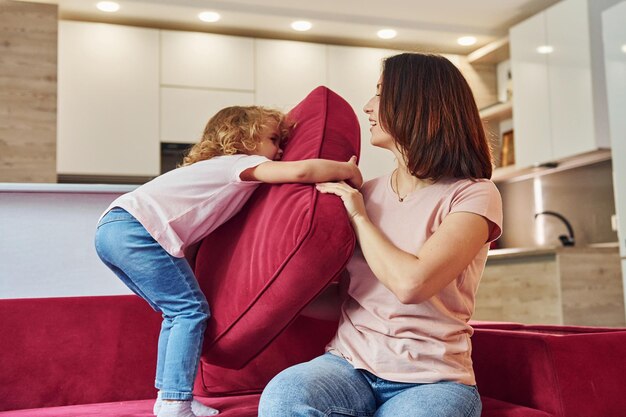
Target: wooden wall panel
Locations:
point(28, 91)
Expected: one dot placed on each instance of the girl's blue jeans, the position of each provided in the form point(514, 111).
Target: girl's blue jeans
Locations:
point(330, 386)
point(168, 284)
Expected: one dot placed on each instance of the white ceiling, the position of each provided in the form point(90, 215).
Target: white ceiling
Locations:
point(421, 24)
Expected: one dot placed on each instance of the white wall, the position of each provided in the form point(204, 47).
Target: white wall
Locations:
point(46, 245)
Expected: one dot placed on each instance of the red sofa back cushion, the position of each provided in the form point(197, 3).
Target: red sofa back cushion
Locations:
point(269, 261)
point(76, 350)
point(564, 370)
point(304, 339)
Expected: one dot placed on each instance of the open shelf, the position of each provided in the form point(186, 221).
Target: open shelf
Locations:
point(492, 53)
point(499, 111)
point(513, 173)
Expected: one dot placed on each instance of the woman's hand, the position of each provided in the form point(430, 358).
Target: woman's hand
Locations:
point(351, 197)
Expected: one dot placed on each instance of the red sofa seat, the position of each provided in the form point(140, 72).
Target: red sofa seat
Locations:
point(95, 356)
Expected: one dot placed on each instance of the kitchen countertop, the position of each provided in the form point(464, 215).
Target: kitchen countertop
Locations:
point(19, 187)
point(552, 250)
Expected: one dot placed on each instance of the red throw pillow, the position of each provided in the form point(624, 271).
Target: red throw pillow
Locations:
point(262, 267)
point(303, 340)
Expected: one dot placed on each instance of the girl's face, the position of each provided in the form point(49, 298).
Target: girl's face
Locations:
point(269, 143)
point(379, 138)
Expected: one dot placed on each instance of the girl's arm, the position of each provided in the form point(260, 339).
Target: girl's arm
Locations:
point(306, 171)
point(442, 258)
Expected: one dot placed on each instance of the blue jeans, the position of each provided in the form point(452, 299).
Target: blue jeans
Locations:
point(330, 386)
point(168, 284)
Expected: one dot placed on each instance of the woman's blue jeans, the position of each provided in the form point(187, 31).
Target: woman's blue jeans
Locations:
point(330, 386)
point(168, 284)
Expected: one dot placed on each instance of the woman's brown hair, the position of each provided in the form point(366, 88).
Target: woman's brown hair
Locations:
point(236, 130)
point(429, 109)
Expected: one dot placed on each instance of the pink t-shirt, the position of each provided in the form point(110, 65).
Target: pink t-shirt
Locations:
point(184, 205)
point(415, 343)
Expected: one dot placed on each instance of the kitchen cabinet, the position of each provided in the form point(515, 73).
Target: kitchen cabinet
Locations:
point(615, 58)
point(286, 71)
point(614, 35)
point(530, 92)
point(557, 90)
point(108, 95)
point(201, 73)
point(123, 90)
point(567, 286)
point(204, 60)
point(185, 112)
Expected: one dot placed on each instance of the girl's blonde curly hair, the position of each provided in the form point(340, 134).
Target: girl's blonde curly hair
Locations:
point(237, 130)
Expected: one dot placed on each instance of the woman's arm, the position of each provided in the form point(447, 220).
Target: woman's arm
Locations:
point(306, 171)
point(415, 278)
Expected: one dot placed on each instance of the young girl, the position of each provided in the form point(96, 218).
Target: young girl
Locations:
point(143, 234)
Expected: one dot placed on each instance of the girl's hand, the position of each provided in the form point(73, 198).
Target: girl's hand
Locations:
point(352, 198)
point(356, 179)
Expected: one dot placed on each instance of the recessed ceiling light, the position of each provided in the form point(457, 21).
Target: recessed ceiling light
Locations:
point(387, 33)
point(301, 25)
point(466, 40)
point(108, 6)
point(545, 49)
point(624, 48)
point(209, 17)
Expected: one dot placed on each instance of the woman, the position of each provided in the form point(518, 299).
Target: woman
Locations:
point(403, 343)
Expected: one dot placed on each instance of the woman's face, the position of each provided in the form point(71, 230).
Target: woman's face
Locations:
point(379, 138)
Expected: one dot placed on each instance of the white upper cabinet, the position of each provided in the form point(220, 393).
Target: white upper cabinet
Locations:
point(571, 101)
point(615, 58)
point(108, 95)
point(531, 102)
point(207, 61)
point(353, 73)
point(185, 111)
point(286, 71)
point(556, 87)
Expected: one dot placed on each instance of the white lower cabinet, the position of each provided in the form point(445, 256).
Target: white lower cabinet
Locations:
point(108, 95)
point(185, 112)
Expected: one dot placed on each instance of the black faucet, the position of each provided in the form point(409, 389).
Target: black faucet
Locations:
point(565, 240)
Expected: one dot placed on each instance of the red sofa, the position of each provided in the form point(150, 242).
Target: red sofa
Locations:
point(95, 356)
